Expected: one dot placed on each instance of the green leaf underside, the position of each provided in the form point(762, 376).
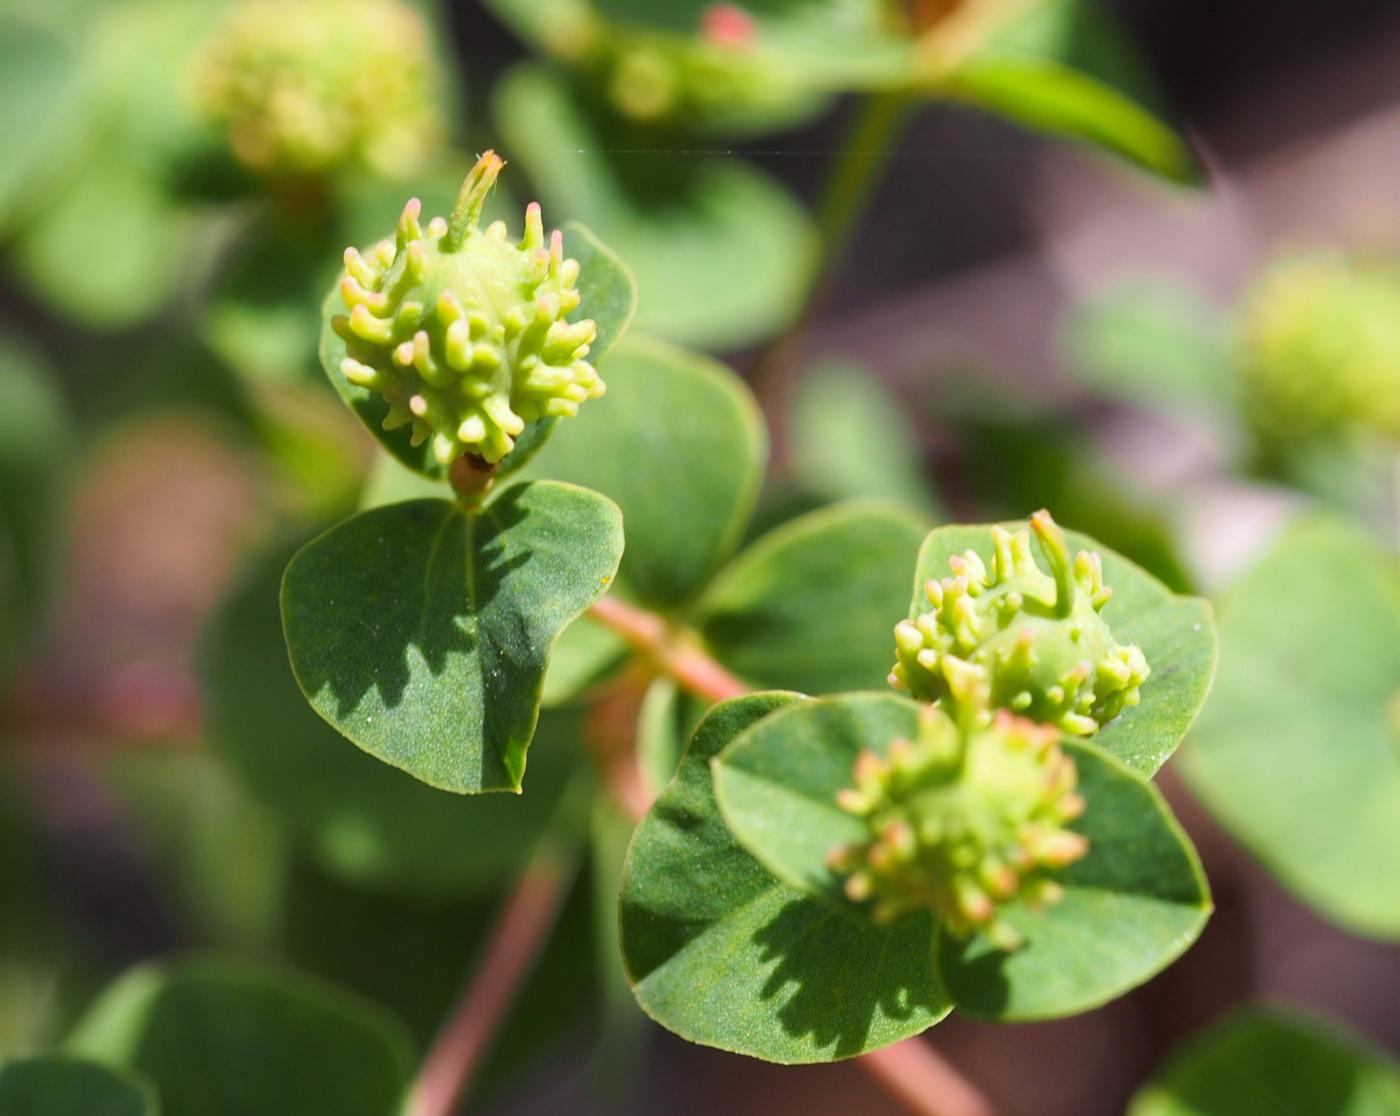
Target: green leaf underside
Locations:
point(812, 605)
point(362, 819)
point(1303, 723)
point(1273, 1061)
point(679, 443)
point(747, 246)
point(1176, 633)
point(60, 1086)
point(422, 632)
point(724, 955)
point(229, 1039)
point(1064, 66)
point(1131, 906)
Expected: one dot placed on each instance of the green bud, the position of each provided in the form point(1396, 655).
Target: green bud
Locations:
point(1036, 641)
point(464, 332)
point(962, 821)
point(1319, 348)
point(313, 86)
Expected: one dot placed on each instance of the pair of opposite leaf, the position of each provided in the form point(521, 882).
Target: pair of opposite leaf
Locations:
point(973, 814)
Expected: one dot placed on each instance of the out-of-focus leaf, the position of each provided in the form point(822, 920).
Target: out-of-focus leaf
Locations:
point(223, 1038)
point(1177, 634)
point(60, 1086)
point(722, 954)
point(1270, 1060)
point(666, 721)
point(812, 605)
point(584, 655)
point(1152, 343)
point(679, 443)
point(722, 255)
point(361, 818)
point(1064, 67)
point(1296, 751)
point(849, 439)
point(422, 631)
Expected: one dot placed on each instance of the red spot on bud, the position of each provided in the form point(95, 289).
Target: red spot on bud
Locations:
point(727, 25)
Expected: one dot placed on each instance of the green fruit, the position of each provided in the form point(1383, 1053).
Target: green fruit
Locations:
point(314, 86)
point(963, 821)
point(1036, 640)
point(1319, 348)
point(465, 333)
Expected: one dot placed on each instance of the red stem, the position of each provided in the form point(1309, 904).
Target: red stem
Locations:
point(915, 1074)
point(651, 637)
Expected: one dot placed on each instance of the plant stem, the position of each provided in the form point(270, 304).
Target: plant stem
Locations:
point(915, 1073)
point(471, 478)
point(651, 637)
point(521, 931)
point(844, 196)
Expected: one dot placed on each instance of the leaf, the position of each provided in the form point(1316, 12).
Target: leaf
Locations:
point(665, 722)
point(804, 607)
point(53, 1085)
point(223, 1038)
point(422, 632)
point(722, 254)
point(362, 819)
point(1176, 633)
point(679, 443)
point(608, 290)
point(849, 440)
point(724, 955)
point(1153, 343)
point(1130, 907)
point(1275, 1061)
point(1065, 67)
point(1296, 752)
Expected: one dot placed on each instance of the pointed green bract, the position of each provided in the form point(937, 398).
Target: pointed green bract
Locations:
point(1175, 634)
point(55, 1085)
point(422, 631)
point(723, 954)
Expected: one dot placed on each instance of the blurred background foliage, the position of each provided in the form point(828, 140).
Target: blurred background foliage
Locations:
point(1135, 262)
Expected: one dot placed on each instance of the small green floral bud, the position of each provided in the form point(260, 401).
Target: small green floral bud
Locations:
point(962, 821)
point(464, 332)
point(308, 87)
point(1319, 348)
point(1036, 640)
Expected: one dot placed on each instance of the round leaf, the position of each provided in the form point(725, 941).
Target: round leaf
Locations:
point(1176, 633)
point(59, 1086)
point(679, 443)
point(229, 1039)
point(422, 631)
point(362, 818)
point(1276, 1062)
point(804, 607)
point(1302, 727)
point(722, 254)
point(724, 955)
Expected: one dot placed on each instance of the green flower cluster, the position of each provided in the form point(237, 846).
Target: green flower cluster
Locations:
point(313, 86)
point(962, 821)
point(1037, 641)
point(1318, 348)
point(464, 332)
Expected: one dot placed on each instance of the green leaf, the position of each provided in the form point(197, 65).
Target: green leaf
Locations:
point(722, 254)
point(805, 606)
point(1065, 67)
point(422, 631)
point(58, 1086)
point(679, 443)
point(585, 655)
point(724, 955)
point(1176, 633)
point(1296, 752)
point(362, 819)
point(665, 722)
point(608, 290)
point(1130, 907)
point(1153, 343)
point(222, 1038)
point(850, 440)
point(1274, 1061)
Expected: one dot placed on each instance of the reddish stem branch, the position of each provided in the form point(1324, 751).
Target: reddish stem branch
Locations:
point(918, 1076)
point(519, 936)
point(651, 637)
